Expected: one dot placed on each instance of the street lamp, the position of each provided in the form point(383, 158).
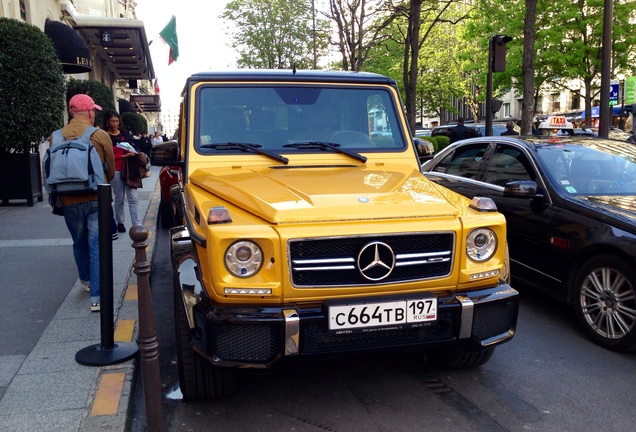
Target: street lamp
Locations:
point(496, 63)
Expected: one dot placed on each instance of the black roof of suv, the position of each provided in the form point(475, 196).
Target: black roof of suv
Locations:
point(479, 129)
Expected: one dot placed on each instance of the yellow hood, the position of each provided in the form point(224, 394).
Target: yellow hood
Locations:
point(326, 193)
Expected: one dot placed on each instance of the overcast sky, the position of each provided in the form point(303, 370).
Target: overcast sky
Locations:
point(203, 42)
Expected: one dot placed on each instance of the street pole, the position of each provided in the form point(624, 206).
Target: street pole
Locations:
point(491, 50)
point(606, 63)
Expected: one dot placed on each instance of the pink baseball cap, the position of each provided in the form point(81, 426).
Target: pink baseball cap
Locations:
point(82, 102)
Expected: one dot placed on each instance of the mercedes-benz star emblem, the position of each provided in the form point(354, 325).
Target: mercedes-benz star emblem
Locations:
point(376, 261)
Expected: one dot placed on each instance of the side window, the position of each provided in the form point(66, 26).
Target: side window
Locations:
point(464, 162)
point(508, 164)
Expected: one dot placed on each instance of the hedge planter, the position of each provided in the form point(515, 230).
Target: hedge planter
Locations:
point(20, 177)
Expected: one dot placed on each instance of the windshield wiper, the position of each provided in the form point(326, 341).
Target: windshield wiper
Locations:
point(327, 145)
point(246, 147)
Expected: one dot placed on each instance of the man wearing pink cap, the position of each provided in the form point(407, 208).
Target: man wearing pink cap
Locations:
point(81, 211)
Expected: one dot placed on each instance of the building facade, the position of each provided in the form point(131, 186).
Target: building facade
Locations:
point(99, 40)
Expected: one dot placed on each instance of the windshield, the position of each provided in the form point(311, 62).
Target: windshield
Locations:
point(597, 167)
point(271, 117)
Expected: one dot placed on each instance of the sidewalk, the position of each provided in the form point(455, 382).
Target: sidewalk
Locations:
point(47, 390)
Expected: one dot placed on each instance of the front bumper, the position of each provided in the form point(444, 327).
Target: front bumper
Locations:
point(260, 337)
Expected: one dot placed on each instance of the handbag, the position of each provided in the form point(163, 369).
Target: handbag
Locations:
point(133, 170)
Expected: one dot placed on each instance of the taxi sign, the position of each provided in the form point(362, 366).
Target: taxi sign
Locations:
point(556, 122)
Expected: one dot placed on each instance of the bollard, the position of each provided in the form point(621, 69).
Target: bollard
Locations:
point(148, 345)
point(107, 352)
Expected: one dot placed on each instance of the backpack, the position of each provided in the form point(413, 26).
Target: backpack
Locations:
point(72, 166)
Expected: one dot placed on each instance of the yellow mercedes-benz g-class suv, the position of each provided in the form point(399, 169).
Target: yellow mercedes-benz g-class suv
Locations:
point(308, 229)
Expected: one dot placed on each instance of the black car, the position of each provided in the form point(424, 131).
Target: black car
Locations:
point(570, 204)
point(476, 129)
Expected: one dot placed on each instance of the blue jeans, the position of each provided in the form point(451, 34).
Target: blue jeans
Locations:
point(82, 222)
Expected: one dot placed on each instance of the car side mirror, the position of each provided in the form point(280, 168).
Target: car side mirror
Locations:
point(520, 188)
point(424, 149)
point(165, 154)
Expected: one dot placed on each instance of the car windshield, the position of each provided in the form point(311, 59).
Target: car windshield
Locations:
point(274, 118)
point(594, 167)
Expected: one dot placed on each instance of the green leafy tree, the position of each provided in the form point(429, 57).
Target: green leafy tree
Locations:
point(575, 40)
point(31, 87)
point(101, 94)
point(134, 123)
point(360, 25)
point(422, 17)
point(566, 46)
point(275, 34)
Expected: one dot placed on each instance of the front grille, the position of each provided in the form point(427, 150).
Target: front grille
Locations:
point(335, 261)
point(316, 338)
point(494, 319)
point(258, 343)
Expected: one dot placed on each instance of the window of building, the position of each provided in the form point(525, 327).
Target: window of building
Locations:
point(506, 110)
point(23, 13)
point(555, 102)
point(576, 99)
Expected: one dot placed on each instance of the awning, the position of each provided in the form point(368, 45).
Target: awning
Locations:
point(72, 51)
point(121, 43)
point(147, 103)
point(616, 111)
point(125, 106)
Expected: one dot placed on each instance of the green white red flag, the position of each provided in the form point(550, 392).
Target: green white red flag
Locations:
point(169, 36)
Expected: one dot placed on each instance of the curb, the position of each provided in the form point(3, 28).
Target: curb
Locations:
point(111, 400)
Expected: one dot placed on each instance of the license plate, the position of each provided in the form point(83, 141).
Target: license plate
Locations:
point(382, 314)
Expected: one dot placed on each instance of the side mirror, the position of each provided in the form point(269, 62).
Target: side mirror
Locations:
point(520, 188)
point(424, 149)
point(164, 154)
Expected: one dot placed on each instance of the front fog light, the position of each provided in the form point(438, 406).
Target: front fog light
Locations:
point(243, 258)
point(481, 244)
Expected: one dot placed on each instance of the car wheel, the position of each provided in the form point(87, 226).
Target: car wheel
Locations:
point(459, 358)
point(165, 215)
point(197, 379)
point(605, 302)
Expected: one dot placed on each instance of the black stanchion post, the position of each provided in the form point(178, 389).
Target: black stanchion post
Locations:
point(148, 345)
point(107, 352)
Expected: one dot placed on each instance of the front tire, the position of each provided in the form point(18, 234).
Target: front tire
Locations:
point(605, 302)
point(197, 379)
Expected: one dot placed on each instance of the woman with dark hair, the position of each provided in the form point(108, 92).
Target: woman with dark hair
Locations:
point(122, 149)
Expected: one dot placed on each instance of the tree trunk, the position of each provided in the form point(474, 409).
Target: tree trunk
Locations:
point(411, 54)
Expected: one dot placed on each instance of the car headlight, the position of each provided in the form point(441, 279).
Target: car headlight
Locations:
point(243, 258)
point(481, 244)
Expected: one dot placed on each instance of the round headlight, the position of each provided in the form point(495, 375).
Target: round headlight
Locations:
point(243, 258)
point(481, 244)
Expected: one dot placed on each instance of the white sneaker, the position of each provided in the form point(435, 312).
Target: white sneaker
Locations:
point(86, 285)
point(95, 307)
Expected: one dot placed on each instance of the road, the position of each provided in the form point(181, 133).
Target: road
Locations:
point(548, 378)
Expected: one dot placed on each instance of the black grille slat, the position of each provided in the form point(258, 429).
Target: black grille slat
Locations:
point(248, 343)
point(494, 319)
point(348, 248)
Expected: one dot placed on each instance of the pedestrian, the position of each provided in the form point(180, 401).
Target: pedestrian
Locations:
point(122, 149)
point(81, 211)
point(145, 144)
point(460, 131)
point(510, 129)
point(157, 138)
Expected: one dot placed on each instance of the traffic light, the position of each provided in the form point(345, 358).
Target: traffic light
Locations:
point(498, 47)
point(496, 105)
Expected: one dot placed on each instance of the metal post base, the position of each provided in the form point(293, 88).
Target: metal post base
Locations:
point(94, 355)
